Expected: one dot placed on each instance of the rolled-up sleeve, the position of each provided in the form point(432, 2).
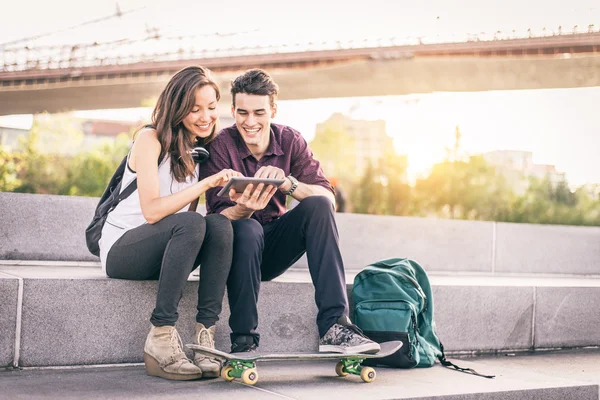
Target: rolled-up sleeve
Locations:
point(304, 167)
point(219, 160)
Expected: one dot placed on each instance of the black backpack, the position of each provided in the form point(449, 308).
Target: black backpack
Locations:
point(112, 196)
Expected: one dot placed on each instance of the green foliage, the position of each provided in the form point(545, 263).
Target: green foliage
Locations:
point(89, 173)
point(337, 153)
point(38, 172)
point(465, 189)
point(8, 171)
point(29, 170)
point(459, 187)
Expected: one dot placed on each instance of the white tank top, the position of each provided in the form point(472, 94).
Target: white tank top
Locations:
point(128, 214)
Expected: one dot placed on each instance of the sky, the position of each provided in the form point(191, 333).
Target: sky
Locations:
point(287, 21)
point(559, 126)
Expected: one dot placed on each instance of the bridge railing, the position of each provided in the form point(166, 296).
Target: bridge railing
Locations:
point(157, 49)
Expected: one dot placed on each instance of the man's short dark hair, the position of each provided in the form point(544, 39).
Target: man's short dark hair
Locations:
point(257, 82)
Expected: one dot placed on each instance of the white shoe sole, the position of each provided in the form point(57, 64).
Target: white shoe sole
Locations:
point(367, 348)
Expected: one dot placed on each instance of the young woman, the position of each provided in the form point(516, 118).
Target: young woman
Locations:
point(156, 234)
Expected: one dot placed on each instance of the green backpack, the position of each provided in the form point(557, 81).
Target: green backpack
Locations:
point(393, 301)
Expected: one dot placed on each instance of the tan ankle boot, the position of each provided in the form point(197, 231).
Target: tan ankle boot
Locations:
point(164, 356)
point(211, 368)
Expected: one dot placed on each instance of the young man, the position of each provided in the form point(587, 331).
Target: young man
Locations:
point(267, 239)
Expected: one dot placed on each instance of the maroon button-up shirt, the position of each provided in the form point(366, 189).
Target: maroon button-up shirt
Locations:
point(287, 150)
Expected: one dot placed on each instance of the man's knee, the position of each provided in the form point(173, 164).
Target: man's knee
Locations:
point(248, 234)
point(317, 205)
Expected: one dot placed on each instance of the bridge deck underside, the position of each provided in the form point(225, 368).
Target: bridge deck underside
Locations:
point(374, 77)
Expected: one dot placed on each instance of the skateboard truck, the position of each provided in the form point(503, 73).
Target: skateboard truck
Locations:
point(245, 370)
point(354, 366)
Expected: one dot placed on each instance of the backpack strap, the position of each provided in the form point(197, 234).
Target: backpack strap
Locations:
point(127, 191)
point(132, 186)
point(448, 364)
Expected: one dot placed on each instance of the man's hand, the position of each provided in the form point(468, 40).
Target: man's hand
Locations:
point(272, 172)
point(253, 200)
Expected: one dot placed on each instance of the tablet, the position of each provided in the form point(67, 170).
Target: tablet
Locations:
point(239, 183)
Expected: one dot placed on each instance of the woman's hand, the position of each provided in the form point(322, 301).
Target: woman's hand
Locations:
point(220, 178)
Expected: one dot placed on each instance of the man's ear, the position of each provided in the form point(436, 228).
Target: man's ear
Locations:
point(233, 110)
point(274, 110)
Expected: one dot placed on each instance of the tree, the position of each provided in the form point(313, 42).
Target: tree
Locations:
point(398, 193)
point(336, 151)
point(464, 187)
point(368, 195)
point(8, 171)
point(38, 172)
point(59, 168)
point(89, 173)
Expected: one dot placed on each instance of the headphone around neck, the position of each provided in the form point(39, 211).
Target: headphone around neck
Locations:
point(200, 154)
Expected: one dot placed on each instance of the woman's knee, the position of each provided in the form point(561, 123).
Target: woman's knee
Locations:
point(219, 228)
point(191, 222)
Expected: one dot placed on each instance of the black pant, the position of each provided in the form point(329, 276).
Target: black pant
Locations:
point(265, 252)
point(169, 251)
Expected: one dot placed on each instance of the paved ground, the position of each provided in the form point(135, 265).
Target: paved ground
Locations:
point(548, 376)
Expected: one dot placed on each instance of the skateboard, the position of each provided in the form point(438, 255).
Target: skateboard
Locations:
point(243, 365)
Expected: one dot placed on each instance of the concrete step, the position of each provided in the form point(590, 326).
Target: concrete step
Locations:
point(547, 376)
point(55, 226)
point(53, 316)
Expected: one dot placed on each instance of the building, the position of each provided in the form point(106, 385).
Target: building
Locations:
point(9, 137)
point(517, 166)
point(370, 138)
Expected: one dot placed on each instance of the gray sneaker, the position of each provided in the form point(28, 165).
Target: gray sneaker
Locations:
point(345, 337)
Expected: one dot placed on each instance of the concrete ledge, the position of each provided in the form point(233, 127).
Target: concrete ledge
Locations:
point(75, 316)
point(484, 318)
point(55, 225)
point(567, 317)
point(44, 227)
point(553, 249)
point(440, 245)
point(9, 287)
point(76, 320)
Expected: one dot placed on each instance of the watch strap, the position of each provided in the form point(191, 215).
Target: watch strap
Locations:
point(294, 185)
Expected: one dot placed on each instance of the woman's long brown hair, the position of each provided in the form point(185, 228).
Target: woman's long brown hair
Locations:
point(174, 104)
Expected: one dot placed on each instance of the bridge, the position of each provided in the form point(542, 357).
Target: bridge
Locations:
point(104, 75)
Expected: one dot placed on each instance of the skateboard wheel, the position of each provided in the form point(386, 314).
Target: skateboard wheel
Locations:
point(339, 369)
point(368, 374)
point(250, 376)
point(225, 373)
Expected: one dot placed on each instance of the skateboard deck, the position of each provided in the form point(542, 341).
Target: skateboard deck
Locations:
point(243, 365)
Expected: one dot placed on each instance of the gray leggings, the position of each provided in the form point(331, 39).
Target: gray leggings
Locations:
point(169, 251)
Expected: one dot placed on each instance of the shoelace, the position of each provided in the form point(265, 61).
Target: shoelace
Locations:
point(205, 339)
point(176, 340)
point(355, 329)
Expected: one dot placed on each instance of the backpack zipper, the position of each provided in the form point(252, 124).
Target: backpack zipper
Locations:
point(413, 317)
point(401, 274)
point(413, 312)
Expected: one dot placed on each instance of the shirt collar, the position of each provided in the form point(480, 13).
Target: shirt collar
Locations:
point(273, 149)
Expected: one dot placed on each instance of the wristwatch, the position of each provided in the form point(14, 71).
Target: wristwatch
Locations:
point(294, 185)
